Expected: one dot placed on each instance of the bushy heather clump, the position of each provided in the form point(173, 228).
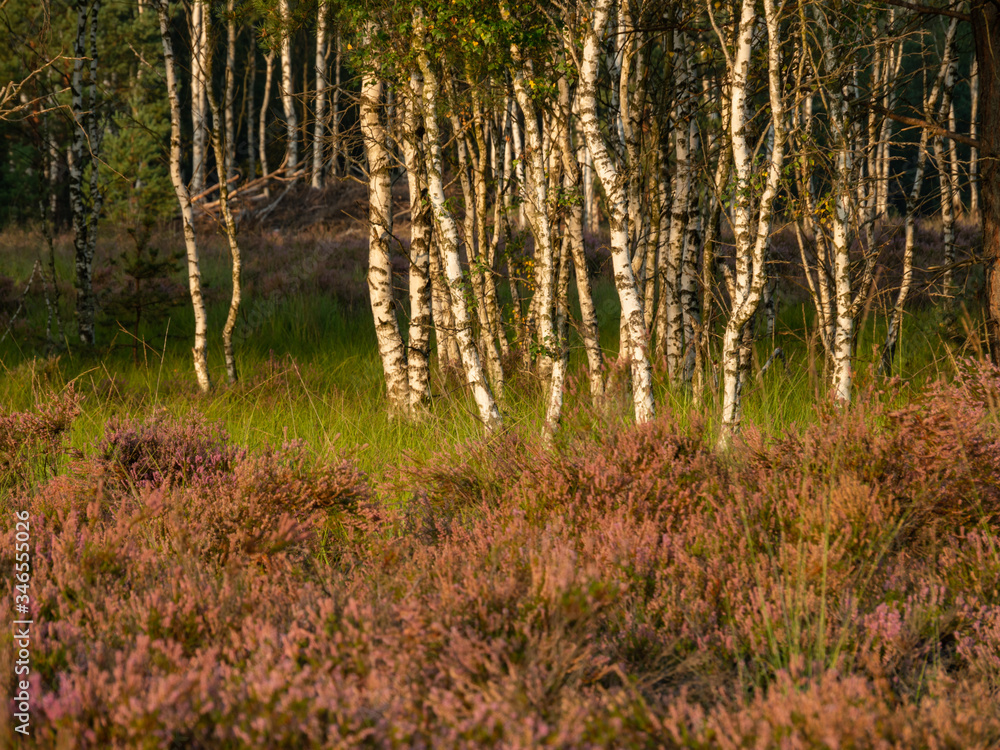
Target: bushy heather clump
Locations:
point(164, 450)
point(838, 586)
point(32, 441)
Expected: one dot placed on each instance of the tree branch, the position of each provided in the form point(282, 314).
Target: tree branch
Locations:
point(930, 10)
point(929, 126)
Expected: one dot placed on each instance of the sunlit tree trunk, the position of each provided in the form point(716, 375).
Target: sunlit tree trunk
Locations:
point(288, 92)
point(614, 186)
point(751, 232)
point(221, 149)
point(474, 249)
point(485, 250)
point(200, 20)
point(390, 343)
point(536, 205)
point(319, 124)
point(670, 285)
point(448, 233)
point(591, 216)
point(230, 81)
point(943, 158)
point(200, 350)
point(264, 108)
point(418, 349)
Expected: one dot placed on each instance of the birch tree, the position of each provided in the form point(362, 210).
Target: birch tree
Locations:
point(448, 235)
point(377, 149)
point(752, 227)
point(930, 105)
point(221, 131)
point(86, 196)
point(322, 12)
point(418, 339)
point(288, 90)
point(614, 181)
point(200, 349)
point(200, 19)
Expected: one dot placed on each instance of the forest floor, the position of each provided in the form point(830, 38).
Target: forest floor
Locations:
point(278, 564)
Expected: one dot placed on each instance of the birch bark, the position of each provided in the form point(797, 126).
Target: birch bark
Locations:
point(614, 181)
point(230, 96)
point(418, 350)
point(200, 18)
point(390, 343)
point(264, 107)
point(572, 179)
point(200, 350)
point(751, 231)
point(221, 149)
point(448, 233)
point(288, 91)
point(319, 124)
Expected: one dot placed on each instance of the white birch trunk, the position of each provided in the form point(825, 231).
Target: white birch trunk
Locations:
point(390, 343)
point(288, 93)
point(230, 115)
point(200, 350)
point(614, 185)
point(536, 205)
point(264, 106)
point(200, 19)
point(318, 125)
point(574, 235)
point(221, 149)
point(751, 233)
point(418, 350)
point(448, 233)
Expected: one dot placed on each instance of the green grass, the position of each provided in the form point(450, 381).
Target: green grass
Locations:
point(310, 371)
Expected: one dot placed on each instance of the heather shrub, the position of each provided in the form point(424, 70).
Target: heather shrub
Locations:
point(164, 450)
point(836, 586)
point(32, 441)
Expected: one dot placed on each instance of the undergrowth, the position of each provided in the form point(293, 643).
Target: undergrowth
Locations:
point(834, 584)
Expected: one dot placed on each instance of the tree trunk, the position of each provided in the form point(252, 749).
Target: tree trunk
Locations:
point(288, 92)
point(612, 180)
point(200, 350)
point(574, 234)
point(390, 343)
point(220, 147)
point(230, 79)
point(251, 113)
point(448, 233)
point(200, 19)
point(973, 131)
point(83, 152)
point(986, 30)
point(418, 351)
point(751, 233)
point(264, 105)
point(335, 111)
point(318, 125)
